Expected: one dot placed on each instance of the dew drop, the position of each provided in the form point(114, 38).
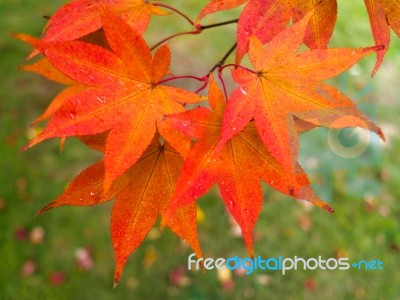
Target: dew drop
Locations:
point(91, 194)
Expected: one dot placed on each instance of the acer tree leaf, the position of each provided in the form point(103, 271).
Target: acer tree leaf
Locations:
point(263, 18)
point(237, 169)
point(44, 68)
point(160, 155)
point(141, 194)
point(322, 22)
point(266, 18)
point(392, 10)
point(81, 17)
point(287, 84)
point(383, 15)
point(218, 5)
point(122, 94)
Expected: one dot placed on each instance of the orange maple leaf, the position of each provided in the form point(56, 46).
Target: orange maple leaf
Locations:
point(286, 85)
point(218, 5)
point(322, 22)
point(266, 18)
point(237, 169)
point(44, 68)
point(81, 17)
point(141, 194)
point(122, 94)
point(383, 15)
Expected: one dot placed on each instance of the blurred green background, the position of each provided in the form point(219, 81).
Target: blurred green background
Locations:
point(67, 254)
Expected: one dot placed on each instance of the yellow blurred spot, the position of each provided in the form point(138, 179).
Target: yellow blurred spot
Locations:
point(154, 233)
point(341, 253)
point(132, 283)
point(287, 232)
point(360, 293)
point(33, 132)
point(224, 274)
point(150, 257)
point(200, 215)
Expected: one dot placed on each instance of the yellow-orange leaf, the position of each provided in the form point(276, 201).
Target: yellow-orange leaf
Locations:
point(322, 22)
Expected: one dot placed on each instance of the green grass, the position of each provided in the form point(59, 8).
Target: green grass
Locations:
point(32, 179)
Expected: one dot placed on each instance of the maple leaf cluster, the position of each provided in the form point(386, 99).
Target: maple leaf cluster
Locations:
point(160, 156)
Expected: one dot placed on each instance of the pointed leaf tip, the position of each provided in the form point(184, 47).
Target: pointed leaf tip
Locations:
point(24, 148)
point(381, 135)
point(324, 206)
point(30, 144)
point(46, 208)
point(329, 209)
point(41, 211)
point(117, 277)
point(250, 250)
point(251, 255)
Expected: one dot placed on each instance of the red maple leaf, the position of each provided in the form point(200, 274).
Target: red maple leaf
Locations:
point(383, 15)
point(81, 17)
point(286, 85)
point(262, 18)
point(44, 68)
point(141, 194)
point(237, 168)
point(322, 22)
point(266, 18)
point(218, 5)
point(122, 94)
